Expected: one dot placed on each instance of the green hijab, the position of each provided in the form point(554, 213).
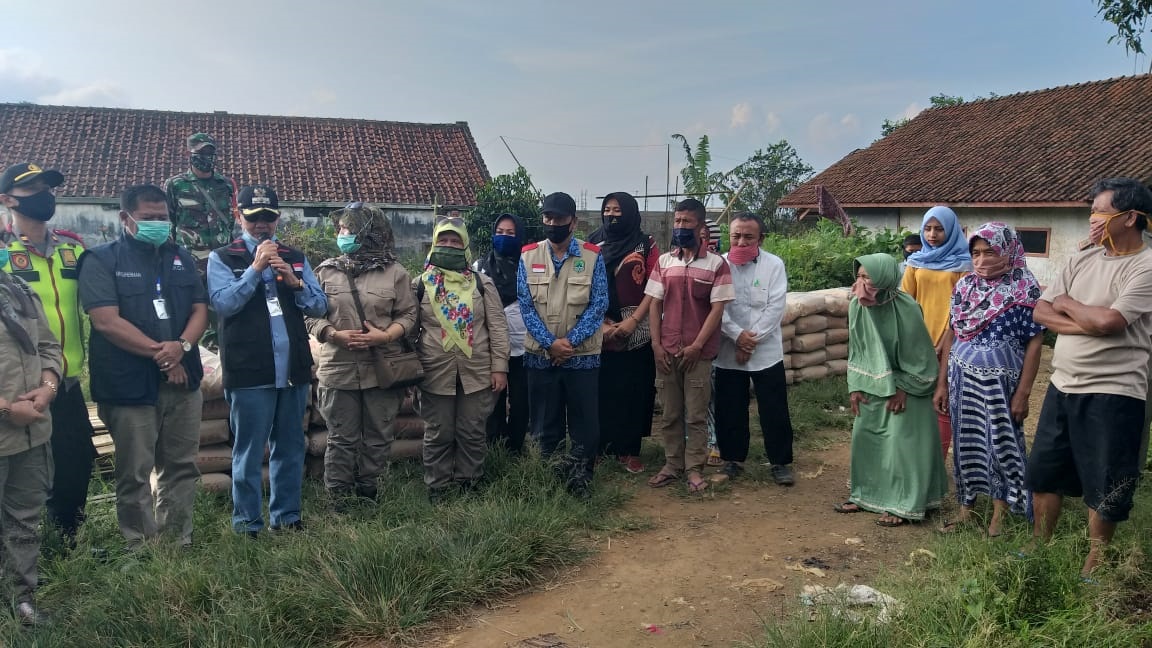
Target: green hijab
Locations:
point(888, 344)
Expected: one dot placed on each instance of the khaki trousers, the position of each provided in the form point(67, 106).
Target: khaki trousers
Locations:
point(164, 437)
point(361, 428)
point(685, 394)
point(25, 478)
point(455, 437)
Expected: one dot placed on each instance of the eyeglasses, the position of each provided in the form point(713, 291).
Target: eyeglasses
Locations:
point(358, 204)
point(451, 220)
point(261, 216)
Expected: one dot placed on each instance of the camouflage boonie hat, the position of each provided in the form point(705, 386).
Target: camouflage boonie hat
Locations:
point(198, 141)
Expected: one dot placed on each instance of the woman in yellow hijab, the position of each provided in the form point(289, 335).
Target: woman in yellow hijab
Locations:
point(464, 351)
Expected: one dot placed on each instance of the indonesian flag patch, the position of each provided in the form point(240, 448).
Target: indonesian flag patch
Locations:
point(537, 267)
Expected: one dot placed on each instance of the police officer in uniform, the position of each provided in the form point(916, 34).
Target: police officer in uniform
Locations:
point(45, 259)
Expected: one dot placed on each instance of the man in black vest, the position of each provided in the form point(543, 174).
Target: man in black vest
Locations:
point(261, 290)
point(148, 309)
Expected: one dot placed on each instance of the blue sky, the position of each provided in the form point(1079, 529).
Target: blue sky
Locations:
point(604, 84)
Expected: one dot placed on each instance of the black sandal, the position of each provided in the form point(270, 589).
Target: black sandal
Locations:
point(847, 507)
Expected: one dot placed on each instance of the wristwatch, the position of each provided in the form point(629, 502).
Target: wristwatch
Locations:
point(185, 345)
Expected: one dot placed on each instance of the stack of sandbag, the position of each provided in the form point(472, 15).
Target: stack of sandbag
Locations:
point(815, 333)
point(408, 444)
point(214, 458)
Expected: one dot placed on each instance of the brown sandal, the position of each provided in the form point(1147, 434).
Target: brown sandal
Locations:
point(662, 479)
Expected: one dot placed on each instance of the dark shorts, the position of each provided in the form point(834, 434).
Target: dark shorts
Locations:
point(1088, 445)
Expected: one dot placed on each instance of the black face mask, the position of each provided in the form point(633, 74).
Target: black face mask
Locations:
point(558, 233)
point(39, 206)
point(203, 162)
point(448, 258)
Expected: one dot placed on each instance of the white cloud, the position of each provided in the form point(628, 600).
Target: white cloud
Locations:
point(23, 78)
point(100, 93)
point(911, 110)
point(826, 130)
point(772, 122)
point(741, 115)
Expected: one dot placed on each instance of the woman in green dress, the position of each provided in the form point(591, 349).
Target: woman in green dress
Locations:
point(897, 469)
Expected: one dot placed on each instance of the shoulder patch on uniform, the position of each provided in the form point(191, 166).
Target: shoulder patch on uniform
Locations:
point(530, 247)
point(20, 260)
point(592, 247)
point(69, 234)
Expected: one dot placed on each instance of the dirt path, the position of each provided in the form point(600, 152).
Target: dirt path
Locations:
point(679, 583)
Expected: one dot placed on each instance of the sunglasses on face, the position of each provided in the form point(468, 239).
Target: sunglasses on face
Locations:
point(262, 216)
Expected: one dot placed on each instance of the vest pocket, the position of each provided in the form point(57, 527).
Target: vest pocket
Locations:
point(579, 289)
point(538, 287)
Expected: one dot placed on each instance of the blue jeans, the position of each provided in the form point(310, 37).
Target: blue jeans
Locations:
point(259, 416)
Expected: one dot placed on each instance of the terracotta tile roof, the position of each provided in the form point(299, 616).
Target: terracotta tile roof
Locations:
point(1046, 146)
point(307, 159)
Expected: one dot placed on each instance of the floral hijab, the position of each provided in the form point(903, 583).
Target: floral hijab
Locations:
point(977, 300)
point(450, 292)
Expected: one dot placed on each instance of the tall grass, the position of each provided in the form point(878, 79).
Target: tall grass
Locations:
point(984, 592)
point(375, 573)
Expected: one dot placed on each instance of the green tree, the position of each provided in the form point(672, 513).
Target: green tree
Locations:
point(511, 193)
point(937, 101)
point(766, 177)
point(1131, 20)
point(699, 181)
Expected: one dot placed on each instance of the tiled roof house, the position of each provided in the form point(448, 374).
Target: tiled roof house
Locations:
point(1028, 159)
point(315, 164)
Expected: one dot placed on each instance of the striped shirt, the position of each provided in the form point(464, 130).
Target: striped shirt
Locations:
point(688, 288)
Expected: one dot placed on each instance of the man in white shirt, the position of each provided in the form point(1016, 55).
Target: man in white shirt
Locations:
point(751, 349)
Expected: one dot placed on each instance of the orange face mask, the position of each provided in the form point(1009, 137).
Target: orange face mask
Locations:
point(1098, 226)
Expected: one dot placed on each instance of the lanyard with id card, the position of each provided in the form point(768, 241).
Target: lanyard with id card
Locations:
point(273, 301)
point(159, 304)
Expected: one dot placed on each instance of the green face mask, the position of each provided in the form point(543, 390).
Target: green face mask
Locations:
point(154, 232)
point(347, 243)
point(449, 258)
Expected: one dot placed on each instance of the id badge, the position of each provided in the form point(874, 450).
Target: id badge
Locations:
point(274, 307)
point(161, 308)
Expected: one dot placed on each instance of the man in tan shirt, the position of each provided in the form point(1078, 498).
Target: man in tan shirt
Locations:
point(1088, 436)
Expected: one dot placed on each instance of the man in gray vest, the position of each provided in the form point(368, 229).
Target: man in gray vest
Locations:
point(562, 287)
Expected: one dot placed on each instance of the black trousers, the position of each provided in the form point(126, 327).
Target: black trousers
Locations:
point(565, 402)
point(72, 456)
point(508, 422)
point(732, 400)
point(627, 398)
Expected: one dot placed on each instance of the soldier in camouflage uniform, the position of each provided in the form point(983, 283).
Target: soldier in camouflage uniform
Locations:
point(202, 202)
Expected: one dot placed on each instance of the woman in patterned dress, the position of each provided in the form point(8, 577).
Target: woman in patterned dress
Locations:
point(993, 350)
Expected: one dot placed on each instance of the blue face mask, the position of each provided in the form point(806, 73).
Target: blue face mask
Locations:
point(347, 243)
point(506, 245)
point(3, 258)
point(154, 232)
point(682, 237)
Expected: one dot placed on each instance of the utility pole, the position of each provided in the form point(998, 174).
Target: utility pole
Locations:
point(667, 175)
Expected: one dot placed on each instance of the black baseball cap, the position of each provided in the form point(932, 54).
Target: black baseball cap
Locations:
point(559, 203)
point(26, 173)
point(257, 198)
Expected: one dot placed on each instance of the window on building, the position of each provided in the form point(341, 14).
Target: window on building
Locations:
point(1035, 240)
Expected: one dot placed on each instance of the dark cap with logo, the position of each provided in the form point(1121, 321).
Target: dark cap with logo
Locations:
point(559, 204)
point(198, 141)
point(257, 198)
point(24, 173)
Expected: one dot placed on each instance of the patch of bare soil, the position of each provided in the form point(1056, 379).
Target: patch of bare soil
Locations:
point(709, 572)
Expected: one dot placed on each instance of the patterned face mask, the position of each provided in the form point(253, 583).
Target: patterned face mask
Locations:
point(203, 161)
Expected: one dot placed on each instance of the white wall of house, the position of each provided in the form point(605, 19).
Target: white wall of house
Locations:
point(1065, 228)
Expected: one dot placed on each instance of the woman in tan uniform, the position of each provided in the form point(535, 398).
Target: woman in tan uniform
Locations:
point(370, 310)
point(464, 350)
